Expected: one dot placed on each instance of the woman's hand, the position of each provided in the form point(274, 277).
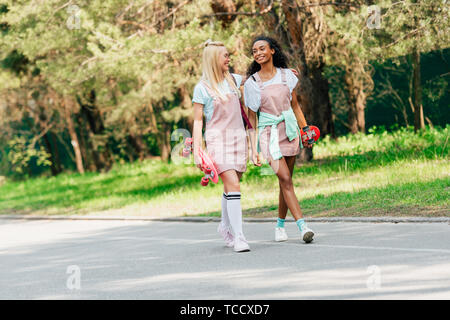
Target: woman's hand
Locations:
point(294, 72)
point(310, 142)
point(255, 159)
point(307, 145)
point(253, 139)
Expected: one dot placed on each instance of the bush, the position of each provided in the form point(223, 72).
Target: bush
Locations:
point(23, 155)
point(430, 143)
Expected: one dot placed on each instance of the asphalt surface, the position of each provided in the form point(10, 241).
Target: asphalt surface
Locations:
point(43, 259)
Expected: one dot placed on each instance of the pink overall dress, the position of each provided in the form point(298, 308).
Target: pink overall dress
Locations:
point(225, 135)
point(275, 98)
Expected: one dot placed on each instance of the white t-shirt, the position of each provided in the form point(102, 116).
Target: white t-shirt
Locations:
point(252, 93)
point(202, 96)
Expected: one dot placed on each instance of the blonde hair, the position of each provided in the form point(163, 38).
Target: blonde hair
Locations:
point(212, 71)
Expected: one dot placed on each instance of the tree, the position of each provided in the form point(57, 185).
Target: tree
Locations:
point(306, 32)
point(118, 75)
point(298, 28)
point(404, 28)
point(105, 81)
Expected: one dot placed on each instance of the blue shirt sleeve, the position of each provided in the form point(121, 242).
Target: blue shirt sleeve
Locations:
point(202, 96)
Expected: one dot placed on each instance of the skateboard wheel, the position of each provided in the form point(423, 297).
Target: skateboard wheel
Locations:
point(204, 181)
point(208, 171)
point(188, 141)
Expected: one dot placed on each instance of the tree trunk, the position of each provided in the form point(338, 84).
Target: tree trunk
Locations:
point(164, 142)
point(85, 147)
point(139, 145)
point(322, 113)
point(313, 89)
point(55, 167)
point(419, 122)
point(356, 98)
point(58, 164)
point(73, 135)
point(187, 104)
point(100, 150)
point(356, 113)
point(130, 151)
point(41, 119)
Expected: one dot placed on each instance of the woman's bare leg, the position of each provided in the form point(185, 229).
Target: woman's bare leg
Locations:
point(282, 206)
point(231, 179)
point(287, 187)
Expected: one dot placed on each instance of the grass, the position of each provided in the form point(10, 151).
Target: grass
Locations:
point(381, 173)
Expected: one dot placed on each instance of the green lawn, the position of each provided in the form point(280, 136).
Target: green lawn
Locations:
point(395, 174)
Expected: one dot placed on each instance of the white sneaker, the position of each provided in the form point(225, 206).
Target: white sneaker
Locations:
point(280, 234)
point(226, 234)
point(240, 244)
point(307, 234)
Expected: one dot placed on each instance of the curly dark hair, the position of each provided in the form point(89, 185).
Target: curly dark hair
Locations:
point(279, 58)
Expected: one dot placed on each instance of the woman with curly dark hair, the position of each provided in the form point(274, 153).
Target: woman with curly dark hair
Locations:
point(270, 89)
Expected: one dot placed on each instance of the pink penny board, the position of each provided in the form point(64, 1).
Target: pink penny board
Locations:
point(207, 163)
point(208, 167)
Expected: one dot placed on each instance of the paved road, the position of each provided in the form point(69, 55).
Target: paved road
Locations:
point(181, 260)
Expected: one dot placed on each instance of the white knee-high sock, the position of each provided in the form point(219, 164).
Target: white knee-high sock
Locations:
point(225, 221)
point(235, 212)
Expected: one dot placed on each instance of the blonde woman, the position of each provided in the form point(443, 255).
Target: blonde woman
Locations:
point(217, 96)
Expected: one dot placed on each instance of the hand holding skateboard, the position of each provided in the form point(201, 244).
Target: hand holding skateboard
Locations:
point(309, 134)
point(205, 163)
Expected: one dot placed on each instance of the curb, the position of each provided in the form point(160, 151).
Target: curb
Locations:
point(217, 219)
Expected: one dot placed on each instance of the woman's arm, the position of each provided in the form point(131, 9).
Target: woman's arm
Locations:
point(197, 132)
point(297, 111)
point(299, 115)
point(253, 141)
point(252, 132)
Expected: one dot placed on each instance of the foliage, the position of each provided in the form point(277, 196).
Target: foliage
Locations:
point(22, 155)
point(123, 72)
point(402, 143)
